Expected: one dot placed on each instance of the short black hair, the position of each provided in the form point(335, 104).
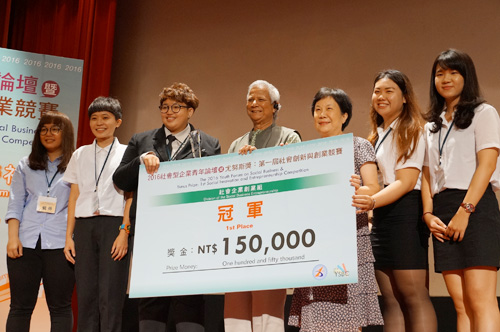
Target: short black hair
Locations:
point(340, 97)
point(109, 104)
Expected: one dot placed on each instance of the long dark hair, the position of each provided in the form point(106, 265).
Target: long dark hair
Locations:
point(409, 127)
point(38, 156)
point(470, 97)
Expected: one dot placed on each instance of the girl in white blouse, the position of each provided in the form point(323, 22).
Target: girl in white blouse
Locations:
point(399, 238)
point(460, 175)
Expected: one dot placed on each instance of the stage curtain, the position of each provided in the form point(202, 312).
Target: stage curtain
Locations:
point(81, 29)
point(5, 19)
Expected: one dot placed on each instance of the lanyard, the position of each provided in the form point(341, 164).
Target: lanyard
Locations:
point(95, 164)
point(177, 151)
point(382, 141)
point(441, 146)
point(49, 184)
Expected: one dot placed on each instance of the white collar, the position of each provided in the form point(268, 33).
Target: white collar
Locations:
point(181, 136)
point(392, 126)
point(106, 148)
point(445, 122)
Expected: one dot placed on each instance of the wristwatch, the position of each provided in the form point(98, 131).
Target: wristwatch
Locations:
point(468, 207)
point(126, 228)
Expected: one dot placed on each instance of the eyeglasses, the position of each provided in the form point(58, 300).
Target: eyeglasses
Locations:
point(176, 108)
point(53, 130)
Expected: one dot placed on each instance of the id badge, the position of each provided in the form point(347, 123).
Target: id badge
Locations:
point(440, 180)
point(95, 203)
point(46, 204)
point(380, 178)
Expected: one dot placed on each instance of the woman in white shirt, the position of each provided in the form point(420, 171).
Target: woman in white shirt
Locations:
point(399, 238)
point(460, 175)
point(98, 229)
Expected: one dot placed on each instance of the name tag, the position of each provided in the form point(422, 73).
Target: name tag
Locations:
point(440, 178)
point(46, 204)
point(380, 178)
point(95, 204)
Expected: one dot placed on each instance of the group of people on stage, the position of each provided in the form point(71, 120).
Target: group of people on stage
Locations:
point(71, 214)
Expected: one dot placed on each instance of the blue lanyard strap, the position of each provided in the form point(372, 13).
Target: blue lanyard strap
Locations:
point(441, 146)
point(49, 184)
point(170, 158)
point(95, 164)
point(383, 139)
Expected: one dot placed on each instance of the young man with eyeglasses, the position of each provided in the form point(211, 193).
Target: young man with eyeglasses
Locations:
point(176, 139)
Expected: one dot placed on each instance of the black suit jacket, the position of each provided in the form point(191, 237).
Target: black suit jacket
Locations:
point(126, 176)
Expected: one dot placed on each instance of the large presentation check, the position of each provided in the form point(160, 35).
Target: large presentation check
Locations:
point(277, 218)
